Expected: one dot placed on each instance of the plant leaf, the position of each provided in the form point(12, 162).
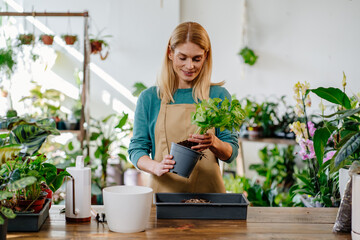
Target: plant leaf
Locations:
point(320, 139)
point(349, 148)
point(333, 95)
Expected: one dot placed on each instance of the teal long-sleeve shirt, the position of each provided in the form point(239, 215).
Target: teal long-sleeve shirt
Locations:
point(146, 113)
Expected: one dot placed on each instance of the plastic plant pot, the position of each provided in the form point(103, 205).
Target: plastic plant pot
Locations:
point(185, 159)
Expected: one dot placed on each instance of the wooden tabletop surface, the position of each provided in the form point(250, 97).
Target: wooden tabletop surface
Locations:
point(261, 223)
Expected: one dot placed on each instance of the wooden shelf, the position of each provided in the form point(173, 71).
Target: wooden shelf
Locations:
point(270, 140)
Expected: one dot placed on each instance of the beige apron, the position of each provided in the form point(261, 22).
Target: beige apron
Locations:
point(173, 125)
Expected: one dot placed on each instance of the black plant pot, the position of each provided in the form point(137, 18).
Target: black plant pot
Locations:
point(3, 228)
point(185, 159)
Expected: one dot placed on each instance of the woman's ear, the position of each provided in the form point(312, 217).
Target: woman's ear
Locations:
point(170, 54)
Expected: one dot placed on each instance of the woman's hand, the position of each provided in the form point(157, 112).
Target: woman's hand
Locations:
point(222, 150)
point(205, 141)
point(164, 166)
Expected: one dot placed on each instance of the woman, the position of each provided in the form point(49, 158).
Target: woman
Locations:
point(163, 115)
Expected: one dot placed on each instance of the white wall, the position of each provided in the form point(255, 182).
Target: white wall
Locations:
point(296, 40)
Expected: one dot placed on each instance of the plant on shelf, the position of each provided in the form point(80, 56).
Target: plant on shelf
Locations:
point(20, 158)
point(69, 39)
point(47, 39)
point(97, 42)
point(260, 117)
point(107, 137)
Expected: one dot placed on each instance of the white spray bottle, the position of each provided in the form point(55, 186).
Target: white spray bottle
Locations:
point(78, 193)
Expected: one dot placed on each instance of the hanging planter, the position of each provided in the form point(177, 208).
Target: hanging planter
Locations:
point(69, 39)
point(97, 43)
point(25, 39)
point(47, 39)
point(248, 55)
point(97, 47)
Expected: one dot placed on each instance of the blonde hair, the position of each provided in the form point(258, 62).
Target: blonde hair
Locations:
point(168, 81)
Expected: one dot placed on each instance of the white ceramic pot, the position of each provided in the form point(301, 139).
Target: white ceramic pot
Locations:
point(127, 208)
point(355, 209)
point(344, 177)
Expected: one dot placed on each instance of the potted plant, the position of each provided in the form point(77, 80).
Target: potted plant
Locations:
point(20, 158)
point(7, 201)
point(208, 114)
point(248, 55)
point(25, 39)
point(97, 43)
point(69, 39)
point(47, 39)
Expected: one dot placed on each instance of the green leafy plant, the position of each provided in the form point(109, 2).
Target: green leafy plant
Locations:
point(97, 42)
point(248, 55)
point(211, 114)
point(6, 196)
point(20, 157)
point(139, 87)
point(278, 165)
point(46, 102)
point(25, 39)
point(7, 61)
point(106, 135)
point(340, 129)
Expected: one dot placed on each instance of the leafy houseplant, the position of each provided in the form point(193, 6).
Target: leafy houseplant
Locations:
point(47, 39)
point(20, 158)
point(209, 114)
point(316, 180)
point(69, 39)
point(97, 42)
point(248, 55)
point(25, 39)
point(107, 138)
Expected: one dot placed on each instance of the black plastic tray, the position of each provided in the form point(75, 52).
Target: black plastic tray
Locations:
point(29, 222)
point(221, 206)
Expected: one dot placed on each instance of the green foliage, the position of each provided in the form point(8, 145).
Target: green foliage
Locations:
point(211, 114)
point(25, 138)
point(277, 168)
point(333, 95)
point(47, 102)
point(344, 125)
point(278, 165)
point(248, 55)
point(107, 134)
point(25, 39)
point(139, 87)
point(7, 60)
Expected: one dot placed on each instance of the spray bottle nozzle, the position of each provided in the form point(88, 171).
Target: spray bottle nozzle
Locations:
point(79, 162)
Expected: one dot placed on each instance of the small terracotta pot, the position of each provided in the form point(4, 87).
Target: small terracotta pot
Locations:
point(36, 206)
point(96, 46)
point(70, 39)
point(47, 39)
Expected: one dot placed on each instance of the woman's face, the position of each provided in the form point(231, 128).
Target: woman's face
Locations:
point(187, 59)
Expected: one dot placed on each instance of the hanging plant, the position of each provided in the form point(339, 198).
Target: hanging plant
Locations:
point(69, 39)
point(25, 39)
point(248, 55)
point(47, 39)
point(97, 43)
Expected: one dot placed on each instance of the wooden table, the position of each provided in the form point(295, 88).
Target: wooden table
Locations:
point(261, 223)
